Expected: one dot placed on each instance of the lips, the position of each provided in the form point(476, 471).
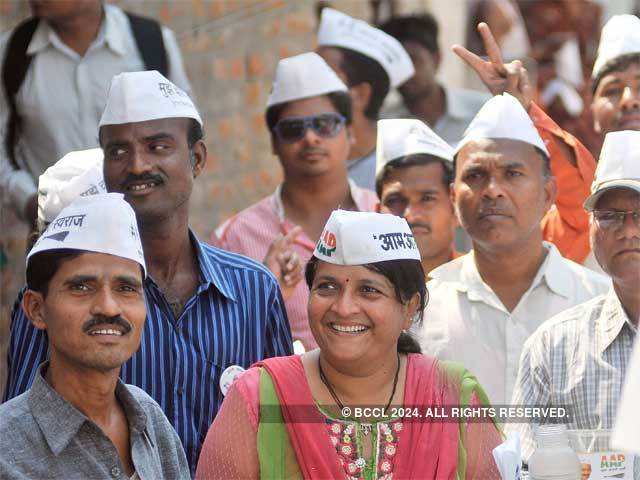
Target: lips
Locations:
point(349, 329)
point(108, 331)
point(137, 188)
point(629, 250)
point(492, 214)
point(630, 122)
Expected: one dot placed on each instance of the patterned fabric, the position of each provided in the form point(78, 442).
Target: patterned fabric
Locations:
point(577, 359)
point(252, 231)
point(236, 317)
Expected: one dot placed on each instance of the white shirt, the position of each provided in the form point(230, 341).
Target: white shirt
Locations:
point(465, 321)
point(63, 96)
point(363, 171)
point(577, 359)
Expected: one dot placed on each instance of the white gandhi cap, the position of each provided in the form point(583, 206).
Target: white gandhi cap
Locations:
point(502, 117)
point(340, 30)
point(103, 223)
point(359, 238)
point(303, 76)
point(142, 96)
point(77, 174)
point(401, 137)
point(620, 36)
point(618, 167)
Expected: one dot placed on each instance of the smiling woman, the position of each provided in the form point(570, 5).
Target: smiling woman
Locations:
point(306, 416)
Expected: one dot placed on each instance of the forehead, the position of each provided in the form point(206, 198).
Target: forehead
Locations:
point(619, 198)
point(415, 49)
point(497, 151)
point(101, 265)
point(175, 127)
point(308, 106)
point(349, 272)
point(630, 72)
point(416, 178)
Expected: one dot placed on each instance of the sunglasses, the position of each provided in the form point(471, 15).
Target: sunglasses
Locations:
point(325, 125)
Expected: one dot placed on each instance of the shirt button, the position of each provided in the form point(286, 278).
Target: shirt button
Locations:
point(115, 472)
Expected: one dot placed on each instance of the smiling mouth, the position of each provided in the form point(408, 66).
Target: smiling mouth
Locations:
point(348, 328)
point(142, 187)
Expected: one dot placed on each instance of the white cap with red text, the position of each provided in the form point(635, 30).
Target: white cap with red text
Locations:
point(359, 238)
point(103, 223)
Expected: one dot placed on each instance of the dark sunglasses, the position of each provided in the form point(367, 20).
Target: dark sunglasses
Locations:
point(325, 125)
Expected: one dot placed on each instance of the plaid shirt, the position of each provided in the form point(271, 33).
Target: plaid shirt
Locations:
point(578, 359)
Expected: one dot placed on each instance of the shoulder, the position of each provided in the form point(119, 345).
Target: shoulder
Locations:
point(594, 282)
point(233, 263)
point(15, 416)
point(248, 219)
point(447, 272)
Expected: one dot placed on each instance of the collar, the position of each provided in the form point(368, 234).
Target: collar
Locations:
point(464, 276)
point(611, 322)
point(210, 268)
point(59, 421)
point(109, 33)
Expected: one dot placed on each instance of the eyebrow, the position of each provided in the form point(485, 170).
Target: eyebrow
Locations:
point(132, 281)
point(513, 165)
point(158, 136)
point(80, 279)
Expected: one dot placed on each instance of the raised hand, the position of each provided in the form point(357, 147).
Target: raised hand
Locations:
point(498, 77)
point(284, 262)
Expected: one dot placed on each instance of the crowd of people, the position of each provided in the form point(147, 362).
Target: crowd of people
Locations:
point(139, 351)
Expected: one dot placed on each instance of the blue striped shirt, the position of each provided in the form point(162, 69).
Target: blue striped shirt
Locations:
point(236, 317)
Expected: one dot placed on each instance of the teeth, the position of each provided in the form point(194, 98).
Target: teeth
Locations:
point(106, 331)
point(348, 329)
point(143, 186)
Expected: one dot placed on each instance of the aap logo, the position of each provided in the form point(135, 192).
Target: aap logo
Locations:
point(327, 244)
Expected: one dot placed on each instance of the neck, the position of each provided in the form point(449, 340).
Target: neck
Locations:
point(431, 263)
point(89, 390)
point(167, 247)
point(365, 133)
point(372, 386)
point(313, 196)
point(429, 106)
point(78, 31)
point(629, 296)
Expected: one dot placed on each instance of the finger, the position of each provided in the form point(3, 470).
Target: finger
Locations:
point(491, 46)
point(513, 76)
point(470, 58)
point(292, 234)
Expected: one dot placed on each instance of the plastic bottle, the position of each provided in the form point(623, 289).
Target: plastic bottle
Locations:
point(554, 459)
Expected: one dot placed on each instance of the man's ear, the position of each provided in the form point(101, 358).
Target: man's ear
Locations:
point(198, 157)
point(34, 308)
point(360, 96)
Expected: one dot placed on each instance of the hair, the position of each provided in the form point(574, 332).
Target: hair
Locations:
point(359, 68)
point(617, 64)
point(341, 101)
point(407, 278)
point(194, 132)
point(44, 265)
point(546, 163)
point(422, 29)
point(417, 159)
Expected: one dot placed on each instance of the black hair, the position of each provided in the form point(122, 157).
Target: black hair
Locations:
point(546, 163)
point(194, 132)
point(341, 101)
point(422, 29)
point(406, 276)
point(43, 266)
point(617, 64)
point(359, 68)
point(416, 159)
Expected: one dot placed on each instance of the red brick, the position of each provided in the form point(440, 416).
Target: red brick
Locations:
point(255, 66)
point(237, 69)
point(219, 69)
point(225, 128)
point(252, 94)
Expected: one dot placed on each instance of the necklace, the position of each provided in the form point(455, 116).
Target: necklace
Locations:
point(341, 405)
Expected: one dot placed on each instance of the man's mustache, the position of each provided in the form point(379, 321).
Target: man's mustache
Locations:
point(116, 320)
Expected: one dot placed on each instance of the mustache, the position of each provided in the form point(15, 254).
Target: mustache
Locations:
point(419, 224)
point(146, 177)
point(116, 320)
point(313, 150)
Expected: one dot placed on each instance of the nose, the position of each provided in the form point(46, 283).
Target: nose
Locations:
point(105, 304)
point(310, 136)
point(493, 188)
point(412, 212)
point(630, 227)
point(345, 305)
point(630, 99)
point(138, 162)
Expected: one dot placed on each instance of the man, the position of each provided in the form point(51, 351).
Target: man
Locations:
point(369, 62)
point(446, 110)
point(309, 118)
point(615, 106)
point(72, 48)
point(211, 313)
point(484, 305)
point(579, 358)
point(78, 420)
point(414, 171)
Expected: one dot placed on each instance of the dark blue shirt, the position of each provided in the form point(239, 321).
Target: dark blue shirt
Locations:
point(236, 317)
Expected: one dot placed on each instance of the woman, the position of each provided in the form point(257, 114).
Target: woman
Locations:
point(284, 417)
